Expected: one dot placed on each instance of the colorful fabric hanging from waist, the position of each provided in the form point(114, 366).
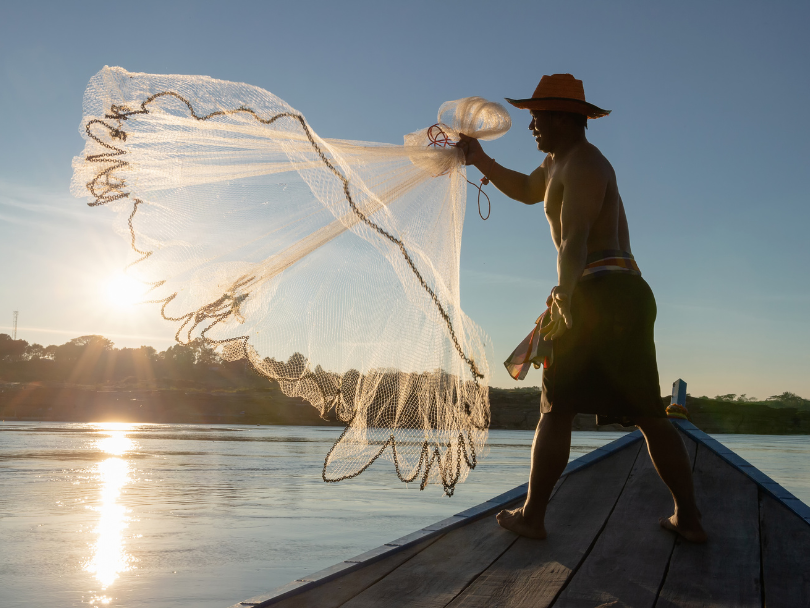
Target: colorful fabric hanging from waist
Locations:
point(536, 351)
point(533, 350)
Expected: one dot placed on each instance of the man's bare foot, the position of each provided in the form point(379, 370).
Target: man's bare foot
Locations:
point(514, 521)
point(693, 532)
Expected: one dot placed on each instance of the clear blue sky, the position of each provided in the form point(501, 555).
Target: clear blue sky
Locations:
point(708, 136)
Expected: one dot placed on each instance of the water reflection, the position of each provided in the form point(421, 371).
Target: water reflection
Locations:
point(109, 555)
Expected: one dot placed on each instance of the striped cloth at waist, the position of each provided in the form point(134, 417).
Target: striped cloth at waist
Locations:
point(609, 260)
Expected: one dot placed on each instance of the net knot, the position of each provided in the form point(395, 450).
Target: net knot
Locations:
point(119, 112)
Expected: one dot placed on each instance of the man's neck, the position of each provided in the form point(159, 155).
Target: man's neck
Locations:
point(566, 144)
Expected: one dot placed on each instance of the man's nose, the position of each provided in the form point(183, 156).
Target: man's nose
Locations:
point(531, 125)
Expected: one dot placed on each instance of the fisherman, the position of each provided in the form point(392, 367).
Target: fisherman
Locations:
point(601, 313)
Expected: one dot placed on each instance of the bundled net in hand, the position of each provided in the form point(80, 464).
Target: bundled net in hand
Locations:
point(332, 266)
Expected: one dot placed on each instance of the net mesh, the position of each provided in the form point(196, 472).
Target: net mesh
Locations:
point(332, 266)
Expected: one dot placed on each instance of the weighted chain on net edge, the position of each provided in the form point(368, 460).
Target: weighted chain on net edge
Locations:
point(439, 139)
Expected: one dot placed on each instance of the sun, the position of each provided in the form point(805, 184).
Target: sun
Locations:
point(124, 291)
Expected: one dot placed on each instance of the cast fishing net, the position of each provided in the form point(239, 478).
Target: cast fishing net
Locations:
point(331, 266)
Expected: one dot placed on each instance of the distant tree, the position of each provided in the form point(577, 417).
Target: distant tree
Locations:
point(787, 397)
point(10, 349)
point(729, 397)
point(148, 352)
point(743, 399)
point(34, 352)
point(204, 353)
point(73, 350)
point(179, 355)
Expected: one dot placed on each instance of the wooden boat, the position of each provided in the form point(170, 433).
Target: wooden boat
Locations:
point(605, 547)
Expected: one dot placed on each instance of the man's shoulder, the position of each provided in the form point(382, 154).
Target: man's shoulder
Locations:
point(588, 159)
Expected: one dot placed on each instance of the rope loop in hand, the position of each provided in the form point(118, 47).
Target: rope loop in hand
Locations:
point(439, 139)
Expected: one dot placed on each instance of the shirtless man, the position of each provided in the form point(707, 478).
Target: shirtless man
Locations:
point(601, 311)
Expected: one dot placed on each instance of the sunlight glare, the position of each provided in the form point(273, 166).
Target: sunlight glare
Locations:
point(109, 557)
point(116, 442)
point(124, 291)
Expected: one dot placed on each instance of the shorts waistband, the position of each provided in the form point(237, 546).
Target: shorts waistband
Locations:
point(610, 261)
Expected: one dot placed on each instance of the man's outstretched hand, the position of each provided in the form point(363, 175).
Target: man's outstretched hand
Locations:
point(473, 152)
point(561, 320)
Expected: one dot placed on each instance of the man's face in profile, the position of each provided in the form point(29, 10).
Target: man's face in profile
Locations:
point(540, 126)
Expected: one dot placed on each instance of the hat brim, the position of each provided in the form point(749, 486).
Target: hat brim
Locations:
point(559, 104)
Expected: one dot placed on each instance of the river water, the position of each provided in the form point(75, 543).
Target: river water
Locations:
point(138, 515)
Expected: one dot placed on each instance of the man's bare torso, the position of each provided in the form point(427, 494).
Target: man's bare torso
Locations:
point(609, 230)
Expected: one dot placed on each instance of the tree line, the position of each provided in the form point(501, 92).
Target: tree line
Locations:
point(94, 359)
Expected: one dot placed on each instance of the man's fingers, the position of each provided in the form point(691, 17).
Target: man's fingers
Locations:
point(555, 329)
point(560, 312)
point(551, 330)
point(559, 330)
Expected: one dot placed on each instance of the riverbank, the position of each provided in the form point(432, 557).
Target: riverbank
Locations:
point(518, 409)
point(515, 409)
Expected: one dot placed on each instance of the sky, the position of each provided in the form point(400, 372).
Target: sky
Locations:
point(709, 137)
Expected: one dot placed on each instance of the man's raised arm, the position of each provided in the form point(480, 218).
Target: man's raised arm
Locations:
point(528, 189)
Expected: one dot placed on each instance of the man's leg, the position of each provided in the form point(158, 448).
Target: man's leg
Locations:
point(669, 456)
point(552, 444)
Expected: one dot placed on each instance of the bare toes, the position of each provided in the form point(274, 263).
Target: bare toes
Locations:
point(515, 522)
point(508, 514)
point(666, 524)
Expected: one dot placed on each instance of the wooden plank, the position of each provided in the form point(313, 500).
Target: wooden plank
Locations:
point(691, 447)
point(630, 558)
point(531, 572)
point(725, 572)
point(444, 568)
point(335, 593)
point(435, 576)
point(785, 555)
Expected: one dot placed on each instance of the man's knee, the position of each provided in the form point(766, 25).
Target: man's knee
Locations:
point(557, 419)
point(657, 430)
point(653, 424)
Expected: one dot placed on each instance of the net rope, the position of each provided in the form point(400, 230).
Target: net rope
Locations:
point(331, 266)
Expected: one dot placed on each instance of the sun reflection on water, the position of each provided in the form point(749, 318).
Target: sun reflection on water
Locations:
point(109, 556)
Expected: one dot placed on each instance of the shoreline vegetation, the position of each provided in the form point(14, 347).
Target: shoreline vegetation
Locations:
point(89, 380)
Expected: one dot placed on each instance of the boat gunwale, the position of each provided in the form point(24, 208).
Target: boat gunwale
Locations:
point(763, 482)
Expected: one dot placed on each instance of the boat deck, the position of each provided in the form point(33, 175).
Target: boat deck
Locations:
point(605, 547)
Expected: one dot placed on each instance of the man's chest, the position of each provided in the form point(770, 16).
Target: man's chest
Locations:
point(553, 198)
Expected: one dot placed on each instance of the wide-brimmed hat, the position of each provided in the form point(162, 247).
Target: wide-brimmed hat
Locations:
point(560, 93)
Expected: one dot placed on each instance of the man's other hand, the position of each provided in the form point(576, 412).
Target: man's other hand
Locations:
point(561, 320)
point(473, 152)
